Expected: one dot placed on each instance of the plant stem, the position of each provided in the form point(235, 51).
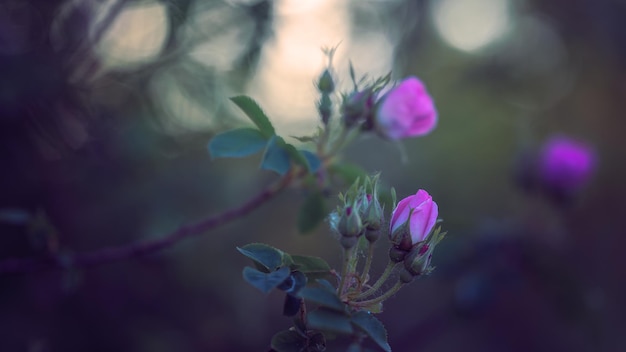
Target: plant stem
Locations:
point(392, 291)
point(381, 280)
point(346, 269)
point(141, 248)
point(368, 262)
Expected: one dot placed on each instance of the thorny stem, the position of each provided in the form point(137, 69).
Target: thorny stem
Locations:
point(392, 291)
point(381, 280)
point(141, 248)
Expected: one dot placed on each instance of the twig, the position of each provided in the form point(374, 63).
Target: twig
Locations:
point(140, 248)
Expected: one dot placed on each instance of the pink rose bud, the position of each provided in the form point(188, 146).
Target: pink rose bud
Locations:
point(412, 220)
point(405, 111)
point(565, 165)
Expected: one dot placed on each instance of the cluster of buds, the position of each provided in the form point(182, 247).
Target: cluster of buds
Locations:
point(413, 235)
point(360, 214)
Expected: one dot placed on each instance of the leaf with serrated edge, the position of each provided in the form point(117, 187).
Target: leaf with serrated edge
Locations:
point(322, 297)
point(367, 323)
point(329, 320)
point(267, 256)
point(309, 264)
point(255, 113)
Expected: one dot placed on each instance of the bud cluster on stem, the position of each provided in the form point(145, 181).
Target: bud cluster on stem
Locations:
point(411, 232)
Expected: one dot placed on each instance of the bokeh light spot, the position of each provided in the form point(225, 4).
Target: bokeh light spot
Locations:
point(471, 25)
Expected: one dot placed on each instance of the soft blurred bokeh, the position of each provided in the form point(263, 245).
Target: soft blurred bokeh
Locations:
point(106, 108)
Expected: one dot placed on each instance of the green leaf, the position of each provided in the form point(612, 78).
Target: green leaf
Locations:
point(268, 257)
point(322, 297)
point(329, 320)
point(297, 156)
point(306, 139)
point(313, 161)
point(367, 323)
point(265, 281)
point(237, 143)
point(288, 341)
point(276, 158)
point(310, 264)
point(255, 113)
point(296, 281)
point(326, 285)
point(312, 212)
point(348, 172)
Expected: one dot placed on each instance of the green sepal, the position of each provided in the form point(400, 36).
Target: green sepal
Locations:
point(329, 320)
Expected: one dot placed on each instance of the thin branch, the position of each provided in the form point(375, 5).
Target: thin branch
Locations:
point(141, 248)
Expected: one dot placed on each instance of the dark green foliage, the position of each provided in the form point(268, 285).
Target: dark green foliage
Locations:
point(276, 158)
point(367, 323)
point(289, 341)
point(268, 257)
point(309, 264)
point(265, 281)
point(323, 298)
point(329, 320)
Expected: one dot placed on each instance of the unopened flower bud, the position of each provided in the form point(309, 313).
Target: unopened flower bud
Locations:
point(326, 84)
point(418, 260)
point(397, 255)
point(374, 215)
point(412, 220)
point(357, 107)
point(405, 276)
point(350, 224)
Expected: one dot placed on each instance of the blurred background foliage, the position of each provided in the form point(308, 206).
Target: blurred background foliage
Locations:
point(106, 108)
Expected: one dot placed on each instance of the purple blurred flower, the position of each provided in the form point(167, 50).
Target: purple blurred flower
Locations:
point(565, 165)
point(407, 110)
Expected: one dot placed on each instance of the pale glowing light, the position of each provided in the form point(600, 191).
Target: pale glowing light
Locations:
point(136, 36)
point(471, 25)
point(292, 62)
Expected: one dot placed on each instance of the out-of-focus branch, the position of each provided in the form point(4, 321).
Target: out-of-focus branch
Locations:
point(141, 248)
